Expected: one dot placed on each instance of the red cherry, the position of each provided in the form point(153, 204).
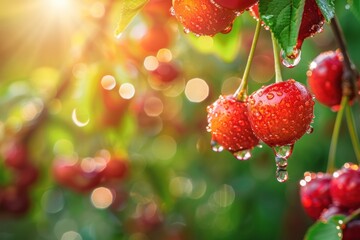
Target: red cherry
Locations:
point(15, 201)
point(158, 10)
point(345, 186)
point(325, 78)
point(116, 169)
point(352, 230)
point(315, 193)
point(333, 210)
point(312, 22)
point(26, 176)
point(74, 177)
point(229, 126)
point(157, 36)
point(203, 17)
point(16, 155)
point(238, 5)
point(281, 113)
point(166, 72)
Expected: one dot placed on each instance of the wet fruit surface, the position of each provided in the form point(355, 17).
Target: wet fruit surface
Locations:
point(229, 125)
point(238, 5)
point(203, 17)
point(281, 113)
point(345, 186)
point(315, 193)
point(325, 78)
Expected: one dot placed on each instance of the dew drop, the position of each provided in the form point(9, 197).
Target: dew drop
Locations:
point(186, 30)
point(347, 6)
point(292, 60)
point(282, 175)
point(172, 11)
point(310, 130)
point(227, 29)
point(216, 147)
point(242, 154)
point(281, 162)
point(283, 151)
point(270, 96)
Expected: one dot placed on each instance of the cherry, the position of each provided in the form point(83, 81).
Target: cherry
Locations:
point(157, 36)
point(315, 193)
point(238, 5)
point(15, 200)
point(166, 72)
point(345, 186)
point(26, 176)
point(115, 169)
point(352, 230)
point(203, 17)
point(325, 78)
point(159, 10)
point(16, 155)
point(229, 126)
point(333, 210)
point(312, 22)
point(281, 113)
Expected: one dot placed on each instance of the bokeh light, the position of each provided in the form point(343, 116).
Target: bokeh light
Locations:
point(196, 90)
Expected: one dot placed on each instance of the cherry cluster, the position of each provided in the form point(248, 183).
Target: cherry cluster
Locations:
point(20, 175)
point(89, 173)
point(324, 195)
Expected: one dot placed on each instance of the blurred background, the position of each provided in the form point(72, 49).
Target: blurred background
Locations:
point(104, 136)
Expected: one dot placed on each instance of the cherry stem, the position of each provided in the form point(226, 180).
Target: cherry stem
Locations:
point(349, 75)
point(241, 92)
point(335, 135)
point(353, 215)
point(352, 131)
point(278, 76)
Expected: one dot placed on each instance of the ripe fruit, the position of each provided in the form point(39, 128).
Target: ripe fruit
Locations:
point(203, 17)
point(157, 36)
point(345, 186)
point(238, 5)
point(16, 155)
point(352, 230)
point(312, 22)
point(230, 128)
point(281, 113)
point(325, 78)
point(166, 72)
point(115, 169)
point(315, 193)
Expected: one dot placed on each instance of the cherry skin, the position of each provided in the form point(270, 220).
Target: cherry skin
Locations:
point(312, 22)
point(325, 78)
point(166, 72)
point(315, 193)
point(115, 169)
point(203, 17)
point(345, 186)
point(16, 155)
point(281, 113)
point(229, 125)
point(157, 36)
point(352, 230)
point(238, 5)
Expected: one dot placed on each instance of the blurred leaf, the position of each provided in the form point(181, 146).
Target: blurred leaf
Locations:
point(329, 230)
point(327, 8)
point(128, 10)
point(355, 7)
point(225, 46)
point(283, 17)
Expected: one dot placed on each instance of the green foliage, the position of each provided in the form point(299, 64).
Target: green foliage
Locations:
point(355, 7)
point(327, 8)
point(329, 230)
point(283, 17)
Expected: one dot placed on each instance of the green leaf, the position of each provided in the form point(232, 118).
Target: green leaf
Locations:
point(355, 7)
point(283, 17)
point(329, 230)
point(327, 8)
point(225, 46)
point(128, 10)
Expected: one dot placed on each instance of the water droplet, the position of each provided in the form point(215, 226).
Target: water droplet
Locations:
point(283, 151)
point(186, 30)
point(227, 29)
point(270, 96)
point(291, 60)
point(310, 130)
point(242, 154)
point(281, 162)
point(172, 11)
point(282, 175)
point(216, 147)
point(75, 117)
point(347, 6)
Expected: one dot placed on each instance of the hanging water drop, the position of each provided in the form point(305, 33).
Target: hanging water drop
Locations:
point(242, 154)
point(186, 30)
point(227, 29)
point(283, 151)
point(291, 60)
point(216, 147)
point(281, 162)
point(310, 130)
point(172, 11)
point(282, 175)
